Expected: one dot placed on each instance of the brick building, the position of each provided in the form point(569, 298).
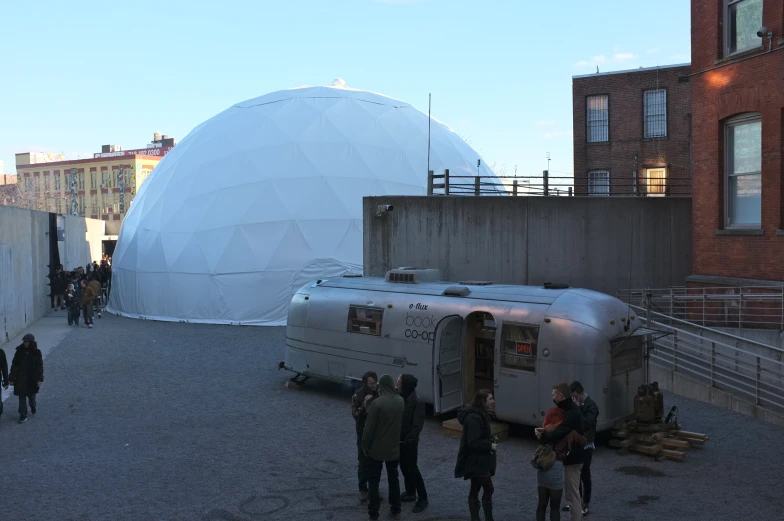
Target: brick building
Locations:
point(737, 92)
point(104, 184)
point(631, 132)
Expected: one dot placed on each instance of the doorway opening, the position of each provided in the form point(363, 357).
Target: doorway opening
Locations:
point(108, 247)
point(479, 354)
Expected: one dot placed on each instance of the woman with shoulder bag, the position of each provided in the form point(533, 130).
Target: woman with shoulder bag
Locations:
point(550, 481)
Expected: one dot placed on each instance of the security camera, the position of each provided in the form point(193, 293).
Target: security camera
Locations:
point(383, 208)
point(764, 31)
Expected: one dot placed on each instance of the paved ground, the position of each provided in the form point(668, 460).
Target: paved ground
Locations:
point(175, 422)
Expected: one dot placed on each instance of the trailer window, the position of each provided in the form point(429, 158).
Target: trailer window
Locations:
point(365, 320)
point(519, 346)
point(626, 355)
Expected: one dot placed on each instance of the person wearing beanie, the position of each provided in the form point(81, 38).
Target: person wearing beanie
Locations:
point(381, 444)
point(411, 426)
point(27, 374)
point(359, 405)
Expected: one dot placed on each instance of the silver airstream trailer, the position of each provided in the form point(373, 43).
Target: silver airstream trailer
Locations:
point(458, 337)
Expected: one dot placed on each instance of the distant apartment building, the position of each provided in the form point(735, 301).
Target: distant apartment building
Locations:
point(737, 92)
point(102, 187)
point(632, 132)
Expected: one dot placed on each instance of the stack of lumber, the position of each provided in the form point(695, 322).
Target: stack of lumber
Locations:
point(658, 440)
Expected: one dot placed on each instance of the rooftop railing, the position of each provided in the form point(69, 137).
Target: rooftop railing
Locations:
point(553, 186)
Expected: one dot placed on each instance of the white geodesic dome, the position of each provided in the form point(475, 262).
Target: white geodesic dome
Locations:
point(267, 196)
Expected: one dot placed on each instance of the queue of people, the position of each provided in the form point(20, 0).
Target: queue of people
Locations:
point(390, 416)
point(80, 291)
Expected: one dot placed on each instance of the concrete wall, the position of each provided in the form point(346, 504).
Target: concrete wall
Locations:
point(83, 241)
point(24, 259)
point(683, 385)
point(599, 243)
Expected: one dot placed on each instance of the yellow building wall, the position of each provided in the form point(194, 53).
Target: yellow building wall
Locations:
point(97, 185)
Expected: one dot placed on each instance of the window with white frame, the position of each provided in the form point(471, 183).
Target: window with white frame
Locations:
point(655, 110)
point(599, 182)
point(656, 181)
point(743, 166)
point(598, 120)
point(742, 20)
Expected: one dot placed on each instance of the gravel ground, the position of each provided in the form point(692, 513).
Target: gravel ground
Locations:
point(143, 420)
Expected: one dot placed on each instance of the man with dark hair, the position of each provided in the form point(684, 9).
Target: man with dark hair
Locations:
point(359, 404)
point(411, 426)
point(572, 421)
point(381, 443)
point(590, 412)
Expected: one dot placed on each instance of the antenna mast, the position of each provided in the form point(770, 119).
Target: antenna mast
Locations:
point(429, 101)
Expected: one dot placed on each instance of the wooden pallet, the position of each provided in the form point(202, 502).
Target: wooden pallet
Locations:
point(660, 441)
point(453, 429)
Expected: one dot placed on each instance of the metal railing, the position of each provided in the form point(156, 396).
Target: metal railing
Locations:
point(548, 185)
point(750, 307)
point(750, 371)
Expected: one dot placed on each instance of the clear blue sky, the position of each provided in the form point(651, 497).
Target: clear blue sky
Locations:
point(76, 75)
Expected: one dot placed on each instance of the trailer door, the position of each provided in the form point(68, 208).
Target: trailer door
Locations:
point(448, 363)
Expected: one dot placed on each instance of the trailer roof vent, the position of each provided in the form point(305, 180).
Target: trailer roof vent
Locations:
point(456, 291)
point(555, 285)
point(413, 275)
point(476, 282)
point(352, 275)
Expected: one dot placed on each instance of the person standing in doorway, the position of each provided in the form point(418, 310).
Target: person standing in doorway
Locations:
point(476, 457)
point(27, 374)
point(381, 443)
point(573, 462)
point(359, 404)
point(411, 427)
point(88, 296)
point(590, 412)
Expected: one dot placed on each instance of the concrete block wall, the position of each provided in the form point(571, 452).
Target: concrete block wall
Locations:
point(599, 243)
point(24, 259)
point(24, 256)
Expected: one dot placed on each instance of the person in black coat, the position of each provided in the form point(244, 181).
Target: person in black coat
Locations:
point(573, 421)
point(590, 412)
point(359, 404)
point(476, 457)
point(3, 376)
point(27, 374)
point(411, 426)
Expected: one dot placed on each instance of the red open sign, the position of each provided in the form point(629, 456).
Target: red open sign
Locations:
point(524, 348)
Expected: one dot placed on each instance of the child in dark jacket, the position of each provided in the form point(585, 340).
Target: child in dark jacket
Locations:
point(72, 304)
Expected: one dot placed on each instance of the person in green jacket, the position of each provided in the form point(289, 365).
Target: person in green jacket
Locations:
point(381, 444)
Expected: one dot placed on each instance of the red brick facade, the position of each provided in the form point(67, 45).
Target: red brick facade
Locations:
point(627, 153)
point(728, 249)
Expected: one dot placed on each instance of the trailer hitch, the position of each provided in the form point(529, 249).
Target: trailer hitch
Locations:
point(298, 378)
